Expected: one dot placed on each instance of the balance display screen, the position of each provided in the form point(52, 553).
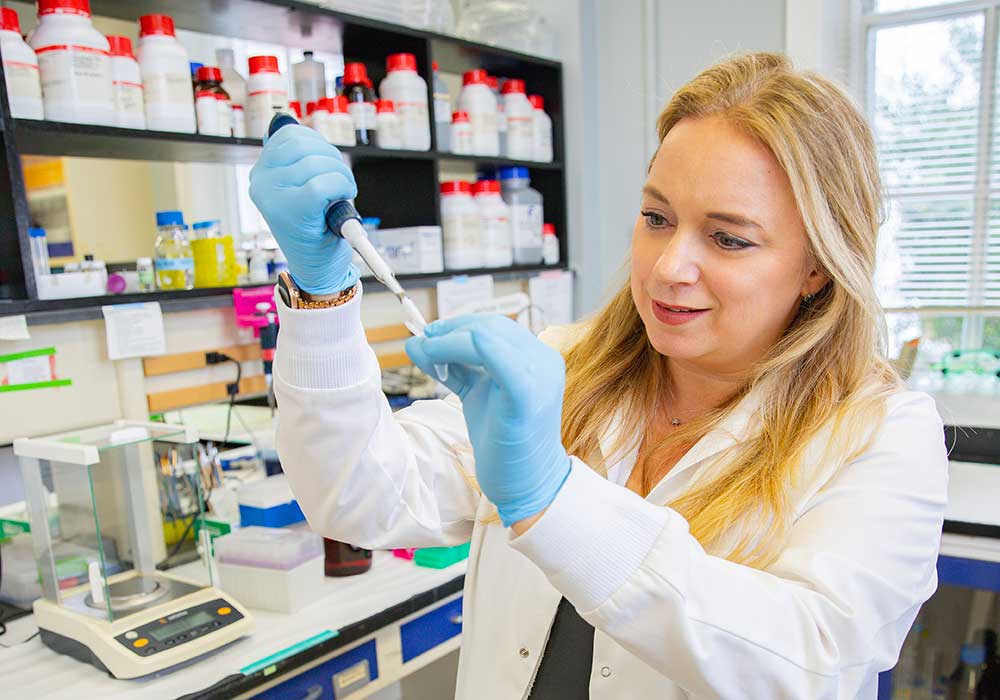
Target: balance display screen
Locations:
point(183, 624)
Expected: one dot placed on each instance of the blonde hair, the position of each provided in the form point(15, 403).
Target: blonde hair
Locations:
point(827, 369)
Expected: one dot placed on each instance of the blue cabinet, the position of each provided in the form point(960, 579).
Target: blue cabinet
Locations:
point(427, 631)
point(331, 680)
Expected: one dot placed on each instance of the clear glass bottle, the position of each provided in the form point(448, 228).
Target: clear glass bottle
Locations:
point(174, 261)
point(526, 212)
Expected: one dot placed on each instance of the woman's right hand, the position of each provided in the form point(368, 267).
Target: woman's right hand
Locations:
point(297, 177)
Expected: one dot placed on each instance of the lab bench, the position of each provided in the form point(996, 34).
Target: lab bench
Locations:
point(368, 632)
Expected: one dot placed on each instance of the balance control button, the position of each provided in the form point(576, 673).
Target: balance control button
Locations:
point(224, 610)
point(131, 634)
point(140, 643)
point(216, 624)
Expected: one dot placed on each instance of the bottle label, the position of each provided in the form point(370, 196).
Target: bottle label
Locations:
point(207, 109)
point(239, 124)
point(75, 73)
point(520, 137)
point(362, 114)
point(339, 130)
point(442, 109)
point(485, 137)
point(415, 126)
point(261, 106)
point(542, 135)
point(461, 237)
point(22, 79)
point(497, 240)
point(527, 225)
point(171, 264)
point(166, 89)
point(461, 138)
point(225, 115)
point(388, 134)
point(550, 250)
point(128, 97)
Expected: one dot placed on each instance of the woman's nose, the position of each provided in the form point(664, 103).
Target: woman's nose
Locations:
point(679, 262)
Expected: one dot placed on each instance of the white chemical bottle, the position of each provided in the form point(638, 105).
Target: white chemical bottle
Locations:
point(479, 102)
point(388, 131)
point(550, 245)
point(339, 125)
point(408, 92)
point(526, 214)
point(520, 121)
point(309, 78)
point(211, 103)
point(319, 113)
point(442, 111)
point(166, 76)
point(461, 134)
point(460, 226)
point(130, 112)
point(267, 94)
point(542, 130)
point(236, 87)
point(494, 84)
point(20, 69)
point(494, 224)
point(74, 64)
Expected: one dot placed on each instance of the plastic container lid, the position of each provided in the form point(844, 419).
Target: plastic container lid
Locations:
point(263, 64)
point(338, 104)
point(356, 74)
point(456, 187)
point(310, 108)
point(35, 232)
point(170, 218)
point(9, 20)
point(493, 82)
point(513, 172)
point(64, 7)
point(266, 493)
point(434, 65)
point(121, 46)
point(973, 654)
point(195, 67)
point(486, 187)
point(296, 107)
point(198, 225)
point(548, 229)
point(385, 106)
point(460, 117)
point(268, 547)
point(209, 74)
point(475, 77)
point(513, 85)
point(325, 104)
point(537, 101)
point(156, 24)
point(117, 283)
point(400, 61)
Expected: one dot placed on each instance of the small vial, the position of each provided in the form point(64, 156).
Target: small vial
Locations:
point(550, 245)
point(39, 251)
point(461, 133)
point(144, 270)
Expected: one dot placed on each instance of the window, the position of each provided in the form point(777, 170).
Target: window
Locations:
point(931, 91)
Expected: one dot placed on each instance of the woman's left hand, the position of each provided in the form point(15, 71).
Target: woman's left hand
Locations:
point(511, 387)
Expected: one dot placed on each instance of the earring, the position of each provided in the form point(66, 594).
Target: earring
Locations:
point(808, 298)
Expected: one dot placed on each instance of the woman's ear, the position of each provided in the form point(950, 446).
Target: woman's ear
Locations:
point(815, 281)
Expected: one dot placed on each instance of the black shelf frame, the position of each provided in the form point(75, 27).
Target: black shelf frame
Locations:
point(399, 186)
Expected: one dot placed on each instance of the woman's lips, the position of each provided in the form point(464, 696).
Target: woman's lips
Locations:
point(676, 315)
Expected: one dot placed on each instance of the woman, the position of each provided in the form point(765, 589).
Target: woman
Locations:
point(735, 496)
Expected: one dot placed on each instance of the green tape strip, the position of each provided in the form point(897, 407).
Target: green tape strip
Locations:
point(37, 385)
point(26, 354)
point(285, 653)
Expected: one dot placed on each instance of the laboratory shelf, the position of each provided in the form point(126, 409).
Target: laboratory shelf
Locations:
point(43, 311)
point(498, 162)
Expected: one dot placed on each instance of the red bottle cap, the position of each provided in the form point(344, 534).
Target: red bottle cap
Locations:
point(325, 104)
point(460, 117)
point(537, 101)
point(434, 65)
point(9, 20)
point(513, 85)
point(150, 25)
point(296, 107)
point(207, 74)
point(263, 64)
point(486, 187)
point(356, 74)
point(548, 229)
point(456, 187)
point(492, 82)
point(475, 77)
point(121, 46)
point(310, 108)
point(385, 106)
point(64, 7)
point(339, 104)
point(401, 61)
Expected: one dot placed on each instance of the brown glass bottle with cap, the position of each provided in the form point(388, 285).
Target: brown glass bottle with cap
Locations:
point(360, 96)
point(342, 559)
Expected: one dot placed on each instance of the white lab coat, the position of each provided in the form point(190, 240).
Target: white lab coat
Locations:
point(671, 621)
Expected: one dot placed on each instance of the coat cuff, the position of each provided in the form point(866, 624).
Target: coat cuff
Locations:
point(593, 537)
point(323, 348)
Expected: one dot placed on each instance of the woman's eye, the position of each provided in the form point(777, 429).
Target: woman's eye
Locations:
point(727, 242)
point(654, 220)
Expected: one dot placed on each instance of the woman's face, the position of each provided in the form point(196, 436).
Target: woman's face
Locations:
point(719, 251)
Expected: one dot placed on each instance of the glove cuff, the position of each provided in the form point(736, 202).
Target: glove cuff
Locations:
point(332, 286)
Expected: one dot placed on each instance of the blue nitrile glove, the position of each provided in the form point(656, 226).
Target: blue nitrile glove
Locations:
point(511, 387)
point(297, 176)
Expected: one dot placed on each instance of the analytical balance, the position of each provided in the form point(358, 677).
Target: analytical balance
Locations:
point(111, 607)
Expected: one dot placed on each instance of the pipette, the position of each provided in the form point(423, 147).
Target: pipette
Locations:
point(344, 221)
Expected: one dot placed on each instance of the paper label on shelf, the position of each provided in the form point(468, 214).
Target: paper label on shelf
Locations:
point(68, 72)
point(551, 299)
point(22, 79)
point(134, 330)
point(14, 328)
point(461, 294)
point(30, 370)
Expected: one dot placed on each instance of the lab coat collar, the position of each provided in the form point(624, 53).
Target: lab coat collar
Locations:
point(736, 426)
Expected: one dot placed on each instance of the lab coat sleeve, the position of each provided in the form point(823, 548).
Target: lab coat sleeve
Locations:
point(819, 623)
point(360, 473)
